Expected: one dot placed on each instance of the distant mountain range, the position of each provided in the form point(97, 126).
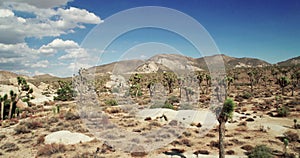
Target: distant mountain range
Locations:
point(163, 62)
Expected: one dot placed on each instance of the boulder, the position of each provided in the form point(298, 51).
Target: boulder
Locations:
point(66, 137)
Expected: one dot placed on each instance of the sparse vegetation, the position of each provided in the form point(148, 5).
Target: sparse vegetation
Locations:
point(65, 91)
point(261, 151)
point(49, 149)
point(111, 102)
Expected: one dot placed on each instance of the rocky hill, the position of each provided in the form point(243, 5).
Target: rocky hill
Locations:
point(176, 62)
point(290, 62)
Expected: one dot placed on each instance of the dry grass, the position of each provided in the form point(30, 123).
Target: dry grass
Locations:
point(49, 149)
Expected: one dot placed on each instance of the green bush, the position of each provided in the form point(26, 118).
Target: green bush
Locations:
point(247, 95)
point(162, 105)
point(111, 102)
point(261, 151)
point(283, 111)
point(173, 99)
point(168, 106)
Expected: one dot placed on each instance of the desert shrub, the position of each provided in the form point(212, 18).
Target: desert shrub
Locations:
point(20, 129)
point(71, 116)
point(173, 99)
point(52, 120)
point(111, 102)
point(247, 95)
point(283, 111)
point(33, 124)
point(168, 106)
point(49, 149)
point(291, 136)
point(186, 142)
point(40, 140)
point(261, 151)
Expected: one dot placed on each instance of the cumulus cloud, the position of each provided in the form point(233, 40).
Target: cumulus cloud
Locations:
point(45, 22)
point(76, 66)
point(43, 18)
point(40, 64)
point(58, 44)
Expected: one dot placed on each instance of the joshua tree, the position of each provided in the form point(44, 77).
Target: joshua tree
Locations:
point(229, 82)
point(224, 114)
point(3, 103)
point(2, 108)
point(200, 78)
point(208, 82)
point(283, 82)
point(170, 79)
point(135, 89)
point(13, 102)
point(251, 78)
point(295, 80)
point(180, 84)
point(151, 87)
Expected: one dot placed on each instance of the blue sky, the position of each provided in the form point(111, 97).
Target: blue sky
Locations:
point(45, 36)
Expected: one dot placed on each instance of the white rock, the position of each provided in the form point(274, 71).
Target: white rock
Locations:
point(66, 137)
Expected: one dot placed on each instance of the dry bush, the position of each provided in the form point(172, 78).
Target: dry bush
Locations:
point(32, 124)
point(214, 144)
point(9, 147)
point(41, 139)
point(71, 116)
point(49, 149)
point(186, 142)
point(21, 129)
point(112, 110)
point(291, 136)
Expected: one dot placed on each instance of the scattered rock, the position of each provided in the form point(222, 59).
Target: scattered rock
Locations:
point(9, 147)
point(247, 147)
point(230, 152)
point(106, 148)
point(148, 119)
point(138, 151)
point(203, 152)
point(250, 119)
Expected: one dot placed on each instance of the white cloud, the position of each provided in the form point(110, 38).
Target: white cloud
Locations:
point(40, 64)
point(58, 44)
point(46, 18)
point(74, 53)
point(76, 66)
point(6, 13)
point(46, 22)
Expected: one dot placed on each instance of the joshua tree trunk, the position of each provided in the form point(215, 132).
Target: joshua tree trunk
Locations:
point(2, 111)
point(221, 139)
point(10, 110)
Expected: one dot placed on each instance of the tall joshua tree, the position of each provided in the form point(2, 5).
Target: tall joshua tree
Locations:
point(251, 78)
point(225, 114)
point(283, 82)
point(170, 79)
point(208, 81)
point(200, 78)
point(13, 101)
